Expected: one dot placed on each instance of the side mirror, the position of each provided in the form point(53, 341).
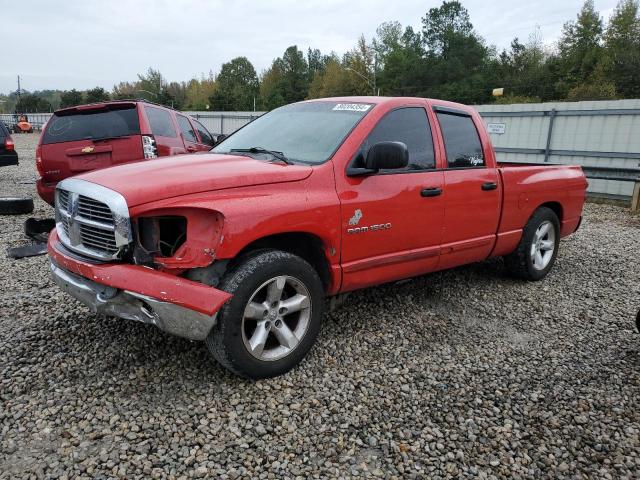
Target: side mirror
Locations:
point(387, 155)
point(219, 138)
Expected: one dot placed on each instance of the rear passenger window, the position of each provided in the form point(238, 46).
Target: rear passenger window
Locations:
point(187, 129)
point(411, 127)
point(160, 121)
point(461, 141)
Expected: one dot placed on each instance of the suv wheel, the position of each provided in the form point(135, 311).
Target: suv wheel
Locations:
point(273, 318)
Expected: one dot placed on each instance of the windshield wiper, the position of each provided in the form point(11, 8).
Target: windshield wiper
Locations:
point(279, 155)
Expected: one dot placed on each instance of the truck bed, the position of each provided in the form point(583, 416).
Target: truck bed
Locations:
point(527, 186)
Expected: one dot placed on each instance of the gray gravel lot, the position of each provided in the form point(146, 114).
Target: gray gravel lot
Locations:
point(462, 373)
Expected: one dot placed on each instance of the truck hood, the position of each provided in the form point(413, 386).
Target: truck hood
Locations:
point(167, 177)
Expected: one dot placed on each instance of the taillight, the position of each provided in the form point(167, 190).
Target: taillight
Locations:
point(149, 146)
point(8, 143)
point(39, 161)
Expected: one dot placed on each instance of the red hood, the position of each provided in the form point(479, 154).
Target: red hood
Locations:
point(151, 180)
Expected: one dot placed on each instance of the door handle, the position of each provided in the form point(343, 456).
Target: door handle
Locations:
point(489, 186)
point(431, 192)
point(191, 149)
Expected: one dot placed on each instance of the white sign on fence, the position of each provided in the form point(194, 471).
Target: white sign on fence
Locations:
point(497, 128)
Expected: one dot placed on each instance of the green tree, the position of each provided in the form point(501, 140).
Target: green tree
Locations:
point(199, 91)
point(125, 91)
point(400, 57)
point(523, 72)
point(457, 65)
point(272, 86)
point(30, 103)
point(580, 48)
point(96, 95)
point(237, 86)
point(361, 69)
point(70, 98)
point(317, 62)
point(334, 81)
point(621, 62)
point(295, 75)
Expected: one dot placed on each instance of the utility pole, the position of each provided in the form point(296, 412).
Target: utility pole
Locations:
point(375, 70)
point(18, 88)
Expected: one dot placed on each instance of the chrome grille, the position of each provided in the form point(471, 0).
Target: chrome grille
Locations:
point(94, 210)
point(63, 199)
point(92, 220)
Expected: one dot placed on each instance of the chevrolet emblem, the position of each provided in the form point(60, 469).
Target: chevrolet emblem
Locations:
point(87, 149)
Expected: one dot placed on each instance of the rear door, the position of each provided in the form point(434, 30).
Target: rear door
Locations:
point(90, 137)
point(164, 131)
point(471, 192)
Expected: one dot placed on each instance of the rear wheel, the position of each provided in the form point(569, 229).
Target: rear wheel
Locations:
point(273, 318)
point(536, 253)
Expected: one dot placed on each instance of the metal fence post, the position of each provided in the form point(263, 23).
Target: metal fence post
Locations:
point(552, 118)
point(635, 199)
point(222, 124)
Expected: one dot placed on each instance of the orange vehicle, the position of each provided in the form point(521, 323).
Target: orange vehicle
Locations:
point(23, 125)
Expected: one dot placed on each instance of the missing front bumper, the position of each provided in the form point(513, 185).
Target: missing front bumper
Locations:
point(128, 305)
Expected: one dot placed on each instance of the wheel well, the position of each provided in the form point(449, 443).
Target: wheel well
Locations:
point(305, 245)
point(556, 207)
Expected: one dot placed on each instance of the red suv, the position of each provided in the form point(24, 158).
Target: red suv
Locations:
point(89, 137)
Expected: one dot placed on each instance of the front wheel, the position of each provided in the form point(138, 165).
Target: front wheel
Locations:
point(536, 253)
point(273, 318)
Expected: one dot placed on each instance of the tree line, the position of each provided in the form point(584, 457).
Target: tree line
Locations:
point(446, 58)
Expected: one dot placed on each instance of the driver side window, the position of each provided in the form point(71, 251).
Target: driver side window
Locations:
point(410, 126)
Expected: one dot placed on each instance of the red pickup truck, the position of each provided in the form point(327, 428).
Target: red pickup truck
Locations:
point(239, 247)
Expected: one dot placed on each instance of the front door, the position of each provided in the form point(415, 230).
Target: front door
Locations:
point(188, 133)
point(392, 221)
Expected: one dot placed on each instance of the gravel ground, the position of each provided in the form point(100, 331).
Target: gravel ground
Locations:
point(462, 373)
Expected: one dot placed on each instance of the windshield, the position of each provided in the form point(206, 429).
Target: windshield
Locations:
point(118, 121)
point(302, 132)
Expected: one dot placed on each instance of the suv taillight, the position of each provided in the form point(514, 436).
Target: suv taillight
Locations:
point(8, 143)
point(39, 161)
point(149, 146)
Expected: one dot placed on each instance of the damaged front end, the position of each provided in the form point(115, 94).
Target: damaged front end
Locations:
point(144, 277)
point(176, 240)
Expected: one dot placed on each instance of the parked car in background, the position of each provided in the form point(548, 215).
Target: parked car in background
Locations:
point(99, 135)
point(8, 154)
point(238, 247)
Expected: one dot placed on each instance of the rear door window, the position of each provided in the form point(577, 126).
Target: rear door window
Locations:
point(187, 129)
point(92, 125)
point(205, 136)
point(160, 122)
point(461, 141)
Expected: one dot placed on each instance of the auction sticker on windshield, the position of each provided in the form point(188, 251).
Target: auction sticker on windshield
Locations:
point(352, 107)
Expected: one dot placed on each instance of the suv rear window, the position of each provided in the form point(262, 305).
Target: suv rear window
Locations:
point(160, 122)
point(117, 121)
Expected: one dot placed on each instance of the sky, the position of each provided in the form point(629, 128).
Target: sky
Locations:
point(86, 43)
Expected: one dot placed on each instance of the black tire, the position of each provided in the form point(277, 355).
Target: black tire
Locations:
point(15, 205)
point(520, 262)
point(226, 342)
